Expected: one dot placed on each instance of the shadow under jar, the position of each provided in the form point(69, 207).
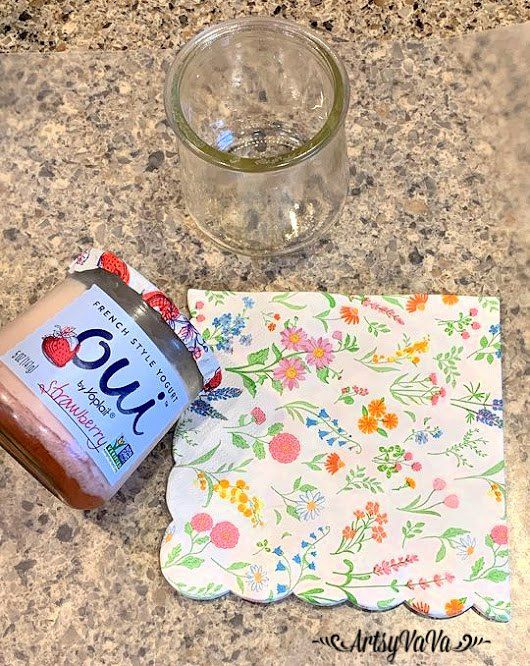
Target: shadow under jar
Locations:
point(259, 107)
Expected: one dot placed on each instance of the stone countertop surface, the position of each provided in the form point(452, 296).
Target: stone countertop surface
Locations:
point(47, 25)
point(438, 202)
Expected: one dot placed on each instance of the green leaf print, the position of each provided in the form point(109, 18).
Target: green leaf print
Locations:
point(385, 603)
point(477, 567)
point(489, 303)
point(351, 598)
point(239, 441)
point(311, 595)
point(447, 363)
point(275, 428)
point(276, 351)
point(290, 509)
point(191, 562)
point(357, 479)
point(322, 317)
point(316, 463)
point(250, 385)
point(259, 357)
point(496, 575)
point(441, 553)
point(285, 299)
point(173, 554)
point(238, 565)
point(394, 300)
point(494, 470)
point(258, 449)
point(204, 458)
point(329, 298)
point(452, 532)
point(277, 386)
point(323, 375)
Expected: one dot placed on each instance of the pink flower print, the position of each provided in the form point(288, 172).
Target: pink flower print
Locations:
point(452, 501)
point(319, 352)
point(473, 312)
point(284, 448)
point(398, 467)
point(433, 378)
point(258, 415)
point(439, 484)
point(202, 522)
point(449, 577)
point(337, 335)
point(199, 305)
point(434, 398)
point(465, 335)
point(293, 338)
point(290, 371)
point(416, 466)
point(224, 535)
point(408, 456)
point(475, 325)
point(442, 393)
point(499, 534)
point(200, 318)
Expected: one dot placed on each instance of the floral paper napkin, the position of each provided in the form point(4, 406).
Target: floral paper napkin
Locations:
point(353, 452)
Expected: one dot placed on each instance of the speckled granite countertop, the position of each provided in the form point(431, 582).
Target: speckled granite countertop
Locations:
point(48, 25)
point(439, 178)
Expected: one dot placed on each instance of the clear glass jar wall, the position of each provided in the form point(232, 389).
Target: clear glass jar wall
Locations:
point(259, 107)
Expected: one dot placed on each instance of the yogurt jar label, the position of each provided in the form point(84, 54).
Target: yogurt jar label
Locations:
point(104, 379)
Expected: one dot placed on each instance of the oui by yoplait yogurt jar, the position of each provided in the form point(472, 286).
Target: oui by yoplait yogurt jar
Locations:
point(93, 375)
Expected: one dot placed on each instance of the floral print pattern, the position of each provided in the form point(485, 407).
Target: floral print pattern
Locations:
point(352, 452)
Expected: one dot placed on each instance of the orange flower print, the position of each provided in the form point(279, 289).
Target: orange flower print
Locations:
point(348, 532)
point(349, 314)
point(454, 607)
point(420, 607)
point(377, 408)
point(495, 492)
point(390, 421)
point(333, 463)
point(367, 424)
point(378, 533)
point(449, 299)
point(381, 518)
point(358, 514)
point(417, 302)
point(372, 508)
point(421, 346)
point(410, 482)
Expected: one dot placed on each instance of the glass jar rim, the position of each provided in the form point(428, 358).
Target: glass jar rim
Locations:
point(193, 141)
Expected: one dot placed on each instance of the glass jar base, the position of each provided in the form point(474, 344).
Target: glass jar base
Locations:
point(264, 252)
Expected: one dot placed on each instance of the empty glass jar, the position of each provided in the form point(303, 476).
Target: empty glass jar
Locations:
point(259, 107)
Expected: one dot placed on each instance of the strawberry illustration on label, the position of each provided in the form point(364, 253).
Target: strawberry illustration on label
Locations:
point(162, 304)
point(60, 347)
point(112, 264)
point(214, 381)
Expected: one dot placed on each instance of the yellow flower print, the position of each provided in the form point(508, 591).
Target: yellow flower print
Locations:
point(411, 352)
point(250, 507)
